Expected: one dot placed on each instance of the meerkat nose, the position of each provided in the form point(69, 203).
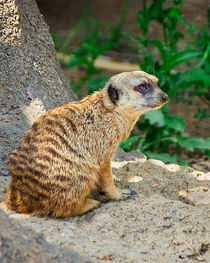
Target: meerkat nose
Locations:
point(164, 97)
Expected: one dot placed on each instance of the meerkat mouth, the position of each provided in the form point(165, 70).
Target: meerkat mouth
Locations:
point(153, 106)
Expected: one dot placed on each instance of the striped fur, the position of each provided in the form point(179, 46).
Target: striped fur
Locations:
point(67, 153)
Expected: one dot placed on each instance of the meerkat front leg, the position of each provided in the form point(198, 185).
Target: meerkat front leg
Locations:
point(88, 205)
point(107, 183)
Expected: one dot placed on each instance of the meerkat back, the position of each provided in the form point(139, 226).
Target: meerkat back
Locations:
point(49, 175)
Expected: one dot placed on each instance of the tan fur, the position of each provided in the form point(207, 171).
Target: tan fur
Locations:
point(67, 153)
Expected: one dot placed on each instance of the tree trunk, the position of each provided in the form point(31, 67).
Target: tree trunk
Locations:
point(31, 80)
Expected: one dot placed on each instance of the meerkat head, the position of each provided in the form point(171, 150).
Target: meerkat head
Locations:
point(135, 90)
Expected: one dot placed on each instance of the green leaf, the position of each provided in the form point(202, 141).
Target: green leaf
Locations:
point(155, 117)
point(97, 83)
point(191, 143)
point(184, 164)
point(176, 36)
point(195, 76)
point(174, 12)
point(178, 2)
point(177, 124)
point(75, 86)
point(92, 49)
point(143, 19)
point(77, 61)
point(106, 46)
point(128, 143)
point(164, 157)
point(184, 56)
point(161, 47)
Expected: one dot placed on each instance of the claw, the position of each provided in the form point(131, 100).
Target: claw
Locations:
point(122, 194)
point(129, 194)
point(132, 193)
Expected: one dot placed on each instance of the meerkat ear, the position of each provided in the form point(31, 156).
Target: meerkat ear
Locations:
point(113, 94)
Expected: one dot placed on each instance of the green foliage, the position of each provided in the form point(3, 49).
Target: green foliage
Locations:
point(179, 71)
point(98, 38)
point(155, 117)
point(165, 157)
point(130, 143)
point(192, 143)
point(94, 83)
point(160, 128)
point(177, 124)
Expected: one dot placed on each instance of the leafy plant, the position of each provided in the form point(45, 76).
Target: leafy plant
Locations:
point(160, 129)
point(101, 37)
point(160, 135)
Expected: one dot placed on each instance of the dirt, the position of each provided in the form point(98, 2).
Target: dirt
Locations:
point(164, 222)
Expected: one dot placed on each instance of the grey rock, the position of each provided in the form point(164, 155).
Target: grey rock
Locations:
point(18, 244)
point(121, 155)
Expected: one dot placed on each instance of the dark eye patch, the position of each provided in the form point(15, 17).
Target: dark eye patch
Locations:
point(143, 88)
point(113, 94)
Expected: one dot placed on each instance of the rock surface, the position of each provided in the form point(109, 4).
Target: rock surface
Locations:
point(17, 244)
point(157, 225)
point(31, 80)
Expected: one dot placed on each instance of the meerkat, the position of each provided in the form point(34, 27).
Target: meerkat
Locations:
point(67, 152)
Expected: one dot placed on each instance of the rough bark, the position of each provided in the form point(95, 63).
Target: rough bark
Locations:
point(31, 80)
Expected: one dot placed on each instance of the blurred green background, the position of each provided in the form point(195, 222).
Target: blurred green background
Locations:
point(170, 39)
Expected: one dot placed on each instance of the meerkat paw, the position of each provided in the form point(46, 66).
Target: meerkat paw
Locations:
point(88, 205)
point(128, 193)
point(117, 194)
point(124, 194)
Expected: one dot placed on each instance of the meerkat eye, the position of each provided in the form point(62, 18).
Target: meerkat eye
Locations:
point(142, 88)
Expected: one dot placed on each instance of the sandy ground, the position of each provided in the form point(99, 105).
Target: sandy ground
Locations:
point(168, 220)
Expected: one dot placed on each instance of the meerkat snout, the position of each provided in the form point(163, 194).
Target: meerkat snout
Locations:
point(164, 97)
